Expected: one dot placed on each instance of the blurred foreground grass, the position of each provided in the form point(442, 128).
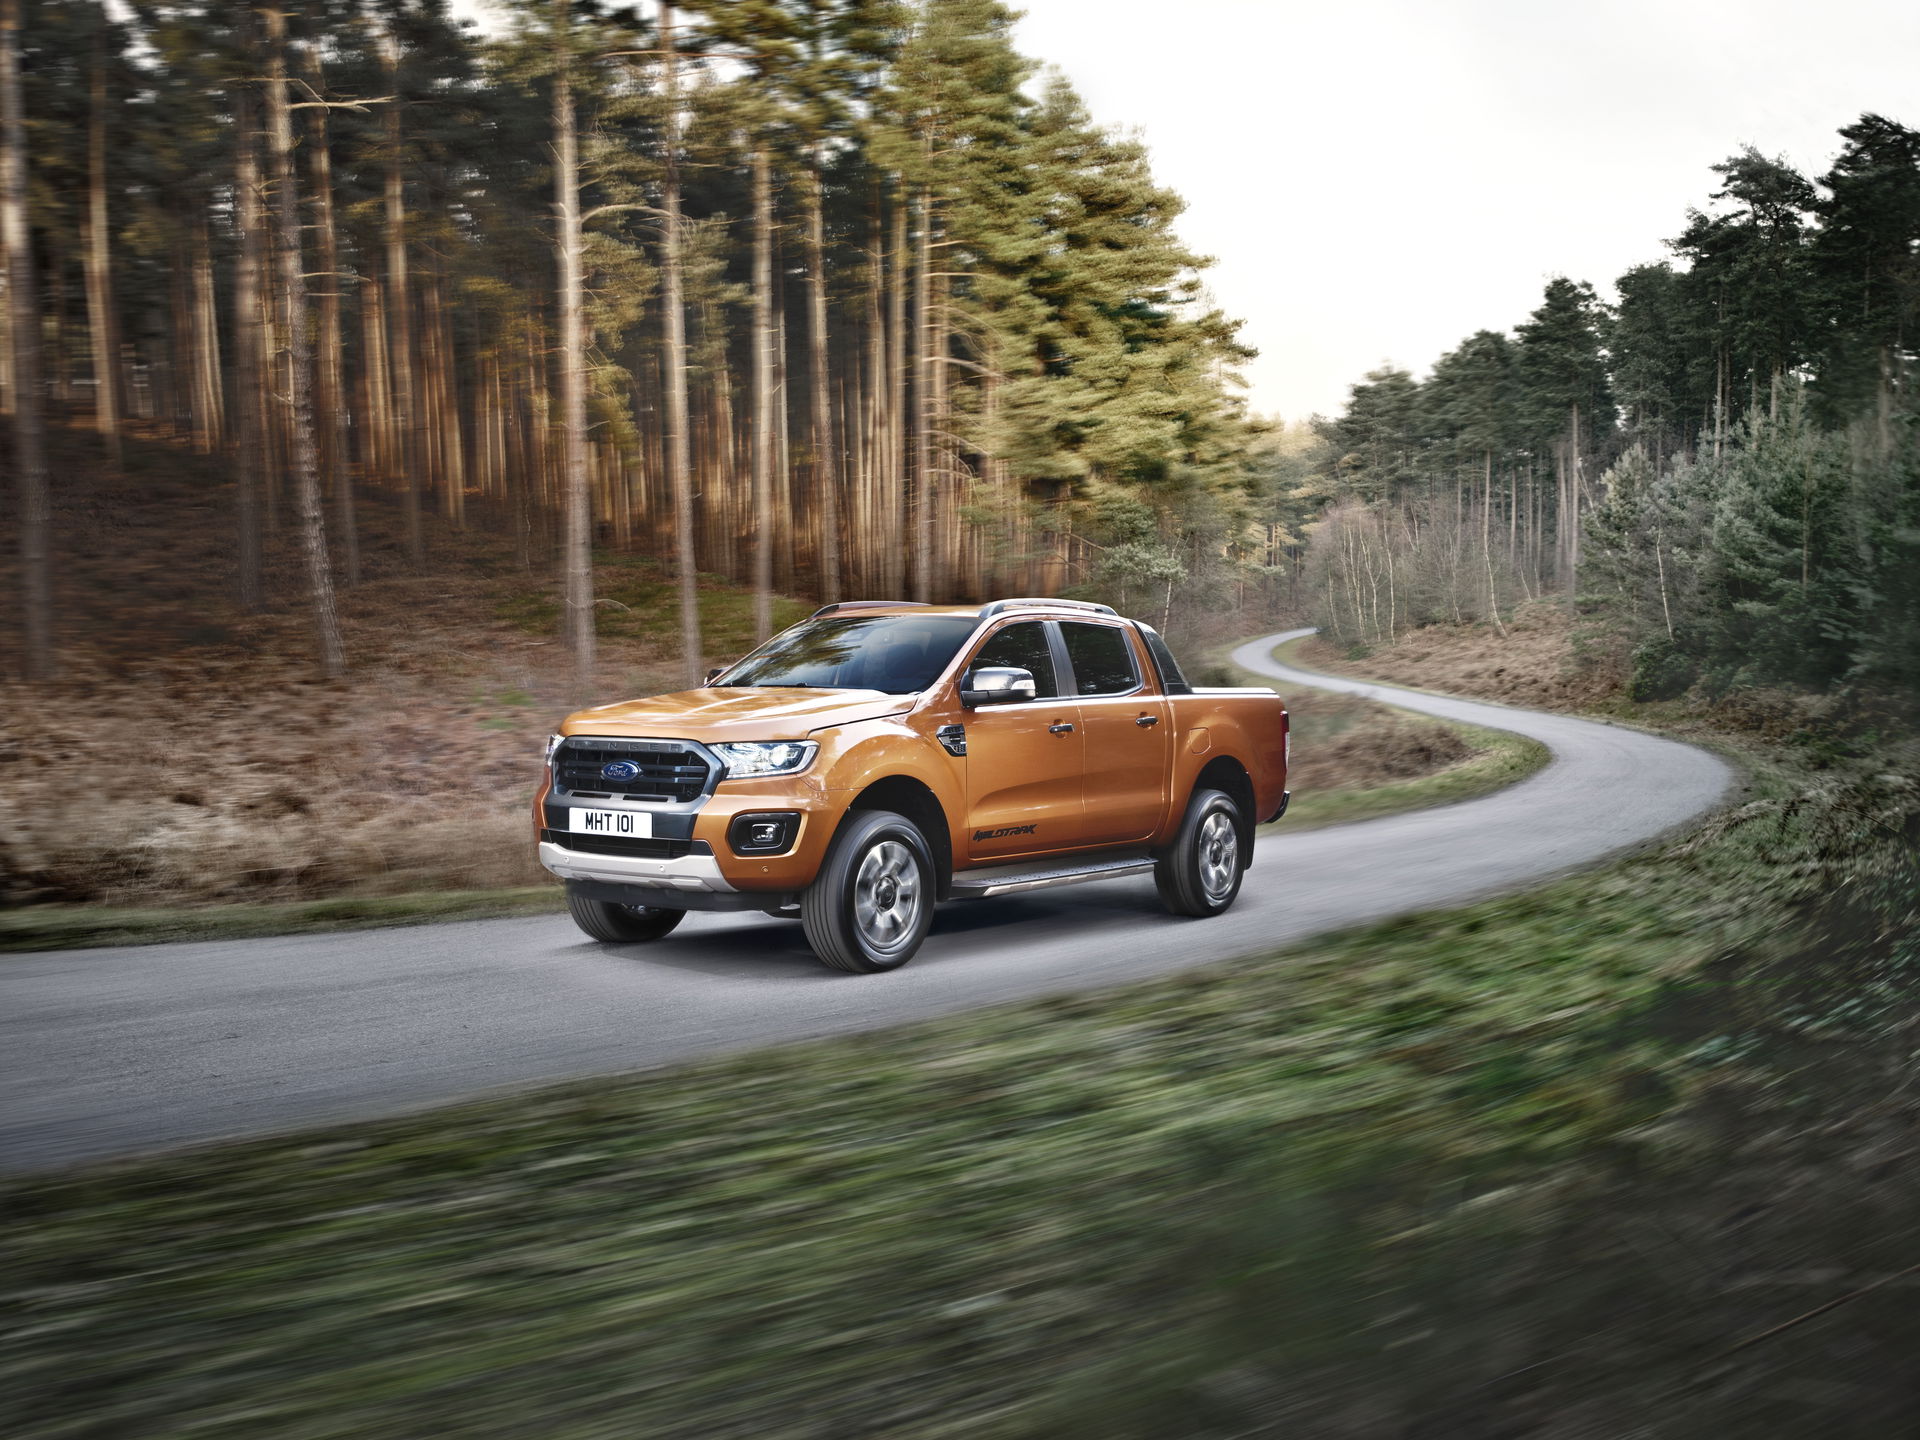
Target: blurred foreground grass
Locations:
point(1181, 1208)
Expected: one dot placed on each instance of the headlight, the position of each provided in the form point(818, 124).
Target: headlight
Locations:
point(748, 758)
point(553, 744)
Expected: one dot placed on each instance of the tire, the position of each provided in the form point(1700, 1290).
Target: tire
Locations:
point(872, 902)
point(621, 924)
point(1200, 873)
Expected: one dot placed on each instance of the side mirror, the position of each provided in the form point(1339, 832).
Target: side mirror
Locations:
point(712, 674)
point(997, 685)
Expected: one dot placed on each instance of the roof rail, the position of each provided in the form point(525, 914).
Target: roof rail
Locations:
point(862, 605)
point(996, 606)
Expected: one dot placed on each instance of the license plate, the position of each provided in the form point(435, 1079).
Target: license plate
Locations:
point(630, 824)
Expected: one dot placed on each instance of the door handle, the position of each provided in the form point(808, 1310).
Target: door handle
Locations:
point(1145, 720)
point(1059, 727)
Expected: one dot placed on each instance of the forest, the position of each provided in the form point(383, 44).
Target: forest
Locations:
point(1720, 468)
point(847, 297)
point(824, 297)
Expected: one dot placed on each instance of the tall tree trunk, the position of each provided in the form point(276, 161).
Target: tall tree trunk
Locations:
point(825, 469)
point(1576, 483)
point(376, 435)
point(1486, 539)
point(23, 333)
point(576, 497)
point(103, 332)
point(898, 482)
point(923, 497)
point(439, 401)
point(763, 362)
point(786, 560)
point(249, 339)
point(882, 558)
point(328, 387)
point(302, 453)
point(673, 301)
point(209, 405)
point(406, 420)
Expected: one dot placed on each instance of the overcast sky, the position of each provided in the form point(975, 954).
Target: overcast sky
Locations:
point(1379, 178)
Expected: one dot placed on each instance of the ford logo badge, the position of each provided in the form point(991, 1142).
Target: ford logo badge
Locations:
point(620, 771)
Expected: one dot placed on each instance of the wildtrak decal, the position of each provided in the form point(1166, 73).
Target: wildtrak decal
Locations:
point(1003, 831)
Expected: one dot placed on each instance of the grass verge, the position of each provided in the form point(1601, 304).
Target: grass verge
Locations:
point(1495, 758)
point(1125, 1214)
point(72, 927)
point(1500, 759)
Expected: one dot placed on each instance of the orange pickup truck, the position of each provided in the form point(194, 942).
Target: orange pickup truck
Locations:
point(880, 757)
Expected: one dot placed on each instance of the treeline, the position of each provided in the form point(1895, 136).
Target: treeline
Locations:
point(1723, 462)
point(812, 294)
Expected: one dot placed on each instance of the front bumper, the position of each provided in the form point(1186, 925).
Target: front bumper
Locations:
point(686, 882)
point(684, 872)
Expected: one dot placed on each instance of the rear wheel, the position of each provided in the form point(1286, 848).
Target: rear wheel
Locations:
point(620, 924)
point(1200, 873)
point(872, 903)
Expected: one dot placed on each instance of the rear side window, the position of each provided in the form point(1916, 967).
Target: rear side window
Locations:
point(1101, 658)
point(1023, 646)
point(1171, 680)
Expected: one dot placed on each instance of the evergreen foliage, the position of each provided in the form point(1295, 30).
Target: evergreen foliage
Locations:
point(980, 314)
point(1723, 465)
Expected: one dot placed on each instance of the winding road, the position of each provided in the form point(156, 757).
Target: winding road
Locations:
point(116, 1051)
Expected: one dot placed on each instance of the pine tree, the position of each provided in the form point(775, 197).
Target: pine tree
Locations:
point(302, 447)
point(1567, 401)
point(1866, 257)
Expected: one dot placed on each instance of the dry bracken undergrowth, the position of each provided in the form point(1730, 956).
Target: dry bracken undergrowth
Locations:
point(187, 751)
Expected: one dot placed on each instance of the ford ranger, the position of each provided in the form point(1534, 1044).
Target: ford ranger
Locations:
point(880, 757)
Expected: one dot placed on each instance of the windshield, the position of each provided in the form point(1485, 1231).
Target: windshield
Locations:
point(897, 654)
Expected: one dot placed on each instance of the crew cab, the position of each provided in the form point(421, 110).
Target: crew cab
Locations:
point(880, 757)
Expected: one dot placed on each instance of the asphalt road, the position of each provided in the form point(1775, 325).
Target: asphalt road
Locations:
point(115, 1051)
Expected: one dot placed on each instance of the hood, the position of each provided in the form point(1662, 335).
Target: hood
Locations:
point(735, 712)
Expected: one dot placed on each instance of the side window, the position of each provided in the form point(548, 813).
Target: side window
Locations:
point(1025, 647)
point(1101, 658)
point(1171, 680)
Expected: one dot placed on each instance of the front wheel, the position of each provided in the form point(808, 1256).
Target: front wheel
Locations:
point(620, 924)
point(1200, 873)
point(872, 903)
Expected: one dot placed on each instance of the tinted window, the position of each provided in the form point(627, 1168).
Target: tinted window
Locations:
point(899, 654)
point(1171, 680)
point(1025, 647)
point(1101, 658)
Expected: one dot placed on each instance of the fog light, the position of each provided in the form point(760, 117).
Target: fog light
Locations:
point(763, 832)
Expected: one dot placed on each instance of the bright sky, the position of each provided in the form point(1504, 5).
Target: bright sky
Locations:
point(1377, 179)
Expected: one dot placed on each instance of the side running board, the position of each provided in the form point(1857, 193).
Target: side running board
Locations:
point(1045, 875)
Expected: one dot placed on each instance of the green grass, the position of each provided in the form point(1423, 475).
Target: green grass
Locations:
point(1026, 1221)
point(71, 927)
point(1502, 758)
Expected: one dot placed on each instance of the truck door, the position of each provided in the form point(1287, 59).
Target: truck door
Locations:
point(1129, 735)
point(1025, 760)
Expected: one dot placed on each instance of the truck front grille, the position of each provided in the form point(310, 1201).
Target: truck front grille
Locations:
point(665, 771)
